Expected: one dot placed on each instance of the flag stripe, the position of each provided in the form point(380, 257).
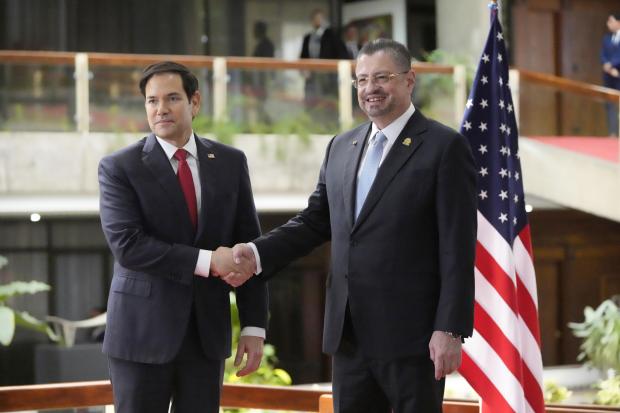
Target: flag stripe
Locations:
point(487, 390)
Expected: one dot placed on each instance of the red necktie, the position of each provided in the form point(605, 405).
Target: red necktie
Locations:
point(187, 185)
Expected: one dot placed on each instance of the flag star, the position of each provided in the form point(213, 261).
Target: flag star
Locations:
point(501, 104)
point(483, 195)
point(467, 125)
point(503, 217)
point(518, 156)
point(508, 152)
point(484, 103)
point(502, 127)
point(484, 80)
point(514, 221)
point(499, 57)
point(483, 126)
point(469, 103)
point(504, 149)
point(501, 81)
point(503, 195)
point(485, 58)
point(483, 149)
point(508, 130)
point(500, 36)
point(509, 174)
point(517, 176)
point(516, 199)
point(503, 172)
point(484, 171)
point(509, 108)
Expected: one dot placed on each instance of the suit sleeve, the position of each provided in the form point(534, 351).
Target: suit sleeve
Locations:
point(300, 235)
point(252, 297)
point(131, 245)
point(457, 224)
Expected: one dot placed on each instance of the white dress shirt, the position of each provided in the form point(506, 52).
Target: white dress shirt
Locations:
point(203, 264)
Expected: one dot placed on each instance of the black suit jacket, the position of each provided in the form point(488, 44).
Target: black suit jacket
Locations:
point(406, 265)
point(146, 223)
point(331, 46)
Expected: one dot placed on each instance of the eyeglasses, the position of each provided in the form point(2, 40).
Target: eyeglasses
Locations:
point(377, 79)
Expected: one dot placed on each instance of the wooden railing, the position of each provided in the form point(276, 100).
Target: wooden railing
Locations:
point(221, 65)
point(99, 393)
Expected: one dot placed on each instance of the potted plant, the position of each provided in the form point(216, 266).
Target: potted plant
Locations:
point(600, 348)
point(10, 318)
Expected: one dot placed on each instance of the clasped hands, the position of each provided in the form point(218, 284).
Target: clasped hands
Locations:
point(233, 265)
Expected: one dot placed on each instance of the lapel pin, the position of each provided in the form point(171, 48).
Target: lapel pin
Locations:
point(211, 156)
point(354, 143)
point(407, 141)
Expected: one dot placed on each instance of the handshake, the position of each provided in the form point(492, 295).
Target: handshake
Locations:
point(233, 265)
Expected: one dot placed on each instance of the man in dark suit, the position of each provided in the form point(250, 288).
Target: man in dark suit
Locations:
point(610, 59)
point(167, 202)
point(396, 197)
point(321, 43)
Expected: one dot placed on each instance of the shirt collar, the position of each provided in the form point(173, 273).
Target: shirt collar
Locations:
point(170, 149)
point(394, 129)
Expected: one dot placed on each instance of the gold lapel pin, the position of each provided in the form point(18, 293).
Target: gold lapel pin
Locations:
point(407, 141)
point(354, 143)
point(211, 156)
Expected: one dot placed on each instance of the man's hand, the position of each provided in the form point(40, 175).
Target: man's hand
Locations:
point(445, 353)
point(253, 347)
point(222, 264)
point(241, 253)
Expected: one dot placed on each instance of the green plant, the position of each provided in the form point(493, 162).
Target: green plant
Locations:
point(554, 393)
point(10, 319)
point(267, 373)
point(600, 332)
point(609, 392)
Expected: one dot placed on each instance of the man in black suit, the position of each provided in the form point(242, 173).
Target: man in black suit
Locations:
point(167, 202)
point(610, 59)
point(321, 43)
point(396, 197)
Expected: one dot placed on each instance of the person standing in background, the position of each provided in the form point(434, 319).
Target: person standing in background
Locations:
point(610, 59)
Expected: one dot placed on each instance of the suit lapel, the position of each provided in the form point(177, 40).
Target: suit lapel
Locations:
point(354, 155)
point(404, 147)
point(155, 159)
point(207, 160)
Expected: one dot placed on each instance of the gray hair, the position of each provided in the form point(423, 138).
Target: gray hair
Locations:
point(399, 53)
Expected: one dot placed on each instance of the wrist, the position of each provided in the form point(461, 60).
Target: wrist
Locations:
point(454, 336)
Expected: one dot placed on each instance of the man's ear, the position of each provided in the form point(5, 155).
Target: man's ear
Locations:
point(195, 102)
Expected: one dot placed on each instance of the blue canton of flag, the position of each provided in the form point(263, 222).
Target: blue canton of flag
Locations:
point(491, 128)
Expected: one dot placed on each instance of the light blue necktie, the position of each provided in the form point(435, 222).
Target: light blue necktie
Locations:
point(369, 170)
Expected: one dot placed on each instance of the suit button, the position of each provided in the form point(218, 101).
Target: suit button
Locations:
point(346, 276)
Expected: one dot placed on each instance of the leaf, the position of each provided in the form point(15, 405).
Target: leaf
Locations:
point(7, 325)
point(22, 287)
point(23, 319)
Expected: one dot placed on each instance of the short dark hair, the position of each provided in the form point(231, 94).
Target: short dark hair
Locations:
point(190, 82)
point(397, 50)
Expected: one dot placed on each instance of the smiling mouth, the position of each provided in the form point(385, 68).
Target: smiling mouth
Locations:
point(375, 99)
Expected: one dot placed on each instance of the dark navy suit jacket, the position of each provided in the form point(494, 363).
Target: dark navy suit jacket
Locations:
point(406, 265)
point(146, 223)
point(610, 53)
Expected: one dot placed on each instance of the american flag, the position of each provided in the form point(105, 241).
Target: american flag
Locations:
point(502, 360)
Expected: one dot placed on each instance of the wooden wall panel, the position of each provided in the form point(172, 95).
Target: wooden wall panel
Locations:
point(577, 261)
point(534, 48)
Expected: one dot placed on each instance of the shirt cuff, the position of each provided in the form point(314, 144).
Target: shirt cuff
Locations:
point(203, 264)
point(254, 332)
point(259, 268)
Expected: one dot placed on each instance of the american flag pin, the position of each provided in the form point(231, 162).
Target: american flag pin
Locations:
point(407, 141)
point(354, 143)
point(211, 156)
